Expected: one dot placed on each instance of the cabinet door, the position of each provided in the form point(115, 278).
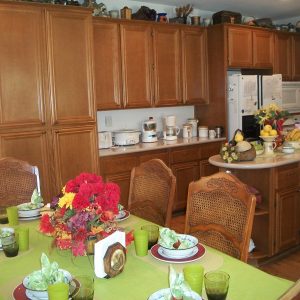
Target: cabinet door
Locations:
point(263, 49)
point(206, 169)
point(71, 68)
point(107, 59)
point(30, 146)
point(137, 64)
point(184, 173)
point(239, 47)
point(296, 58)
point(286, 218)
point(166, 45)
point(194, 66)
point(75, 151)
point(283, 60)
point(22, 65)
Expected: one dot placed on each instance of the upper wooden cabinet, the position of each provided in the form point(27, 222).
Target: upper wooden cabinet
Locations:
point(71, 69)
point(250, 48)
point(167, 51)
point(287, 55)
point(108, 64)
point(149, 65)
point(22, 61)
point(194, 66)
point(136, 54)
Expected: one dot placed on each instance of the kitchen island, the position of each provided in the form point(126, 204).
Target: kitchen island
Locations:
point(276, 227)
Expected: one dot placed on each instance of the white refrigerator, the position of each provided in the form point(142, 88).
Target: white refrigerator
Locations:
point(245, 95)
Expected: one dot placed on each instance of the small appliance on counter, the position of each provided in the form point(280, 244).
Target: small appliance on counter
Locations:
point(149, 134)
point(105, 139)
point(170, 130)
point(126, 137)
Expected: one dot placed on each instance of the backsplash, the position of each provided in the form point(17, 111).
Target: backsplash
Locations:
point(133, 118)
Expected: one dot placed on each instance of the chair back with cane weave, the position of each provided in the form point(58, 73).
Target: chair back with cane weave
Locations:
point(152, 191)
point(220, 212)
point(17, 181)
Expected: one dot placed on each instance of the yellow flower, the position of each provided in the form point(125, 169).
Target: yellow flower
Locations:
point(66, 200)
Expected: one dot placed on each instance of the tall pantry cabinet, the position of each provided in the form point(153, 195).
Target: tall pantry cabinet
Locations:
point(47, 110)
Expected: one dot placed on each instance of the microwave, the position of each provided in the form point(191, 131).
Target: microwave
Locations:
point(291, 96)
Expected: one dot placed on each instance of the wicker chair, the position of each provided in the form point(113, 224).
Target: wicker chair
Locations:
point(152, 191)
point(220, 212)
point(18, 179)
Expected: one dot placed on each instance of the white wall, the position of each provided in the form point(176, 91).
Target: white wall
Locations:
point(133, 118)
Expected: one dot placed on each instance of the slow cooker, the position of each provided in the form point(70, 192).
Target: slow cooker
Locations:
point(126, 137)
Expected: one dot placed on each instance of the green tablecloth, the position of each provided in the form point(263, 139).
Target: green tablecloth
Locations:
point(141, 277)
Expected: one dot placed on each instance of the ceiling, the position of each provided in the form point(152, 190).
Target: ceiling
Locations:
point(275, 9)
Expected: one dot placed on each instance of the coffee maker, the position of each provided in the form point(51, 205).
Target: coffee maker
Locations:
point(170, 130)
point(149, 134)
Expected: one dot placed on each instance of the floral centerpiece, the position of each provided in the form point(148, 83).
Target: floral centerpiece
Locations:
point(229, 153)
point(273, 115)
point(86, 207)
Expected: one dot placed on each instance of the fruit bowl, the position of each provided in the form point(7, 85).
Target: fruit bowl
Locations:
point(268, 138)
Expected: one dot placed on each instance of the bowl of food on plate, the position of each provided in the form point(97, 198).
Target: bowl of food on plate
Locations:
point(294, 144)
point(32, 208)
point(176, 245)
point(36, 283)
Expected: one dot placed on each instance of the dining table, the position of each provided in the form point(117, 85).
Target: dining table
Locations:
point(142, 275)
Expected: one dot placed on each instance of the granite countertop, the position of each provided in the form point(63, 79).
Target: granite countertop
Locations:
point(260, 162)
point(160, 144)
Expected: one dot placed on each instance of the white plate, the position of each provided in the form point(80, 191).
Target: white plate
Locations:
point(123, 215)
point(162, 253)
point(30, 218)
point(160, 295)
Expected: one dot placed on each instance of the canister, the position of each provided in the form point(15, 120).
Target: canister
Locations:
point(194, 123)
point(203, 131)
point(187, 131)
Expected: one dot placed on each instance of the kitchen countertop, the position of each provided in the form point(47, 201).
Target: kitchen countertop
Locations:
point(160, 144)
point(260, 162)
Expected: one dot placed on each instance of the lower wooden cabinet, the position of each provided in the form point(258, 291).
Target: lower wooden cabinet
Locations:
point(184, 173)
point(187, 164)
point(30, 146)
point(287, 234)
point(75, 151)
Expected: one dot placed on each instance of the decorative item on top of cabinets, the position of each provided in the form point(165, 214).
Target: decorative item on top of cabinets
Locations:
point(182, 13)
point(126, 13)
point(162, 18)
point(145, 13)
point(99, 9)
point(226, 17)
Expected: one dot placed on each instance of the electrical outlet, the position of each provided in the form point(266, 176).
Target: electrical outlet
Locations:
point(108, 121)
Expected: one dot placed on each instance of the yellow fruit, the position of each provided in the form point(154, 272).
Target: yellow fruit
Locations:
point(238, 137)
point(273, 132)
point(264, 133)
point(267, 128)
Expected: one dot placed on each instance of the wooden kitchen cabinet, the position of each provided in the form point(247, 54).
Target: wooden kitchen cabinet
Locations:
point(75, 151)
point(167, 75)
point(107, 58)
point(71, 66)
point(250, 48)
point(48, 114)
point(287, 55)
point(287, 204)
point(23, 87)
point(31, 145)
point(194, 66)
point(137, 64)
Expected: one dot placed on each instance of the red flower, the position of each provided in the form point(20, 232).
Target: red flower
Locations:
point(81, 201)
point(129, 238)
point(46, 225)
point(107, 216)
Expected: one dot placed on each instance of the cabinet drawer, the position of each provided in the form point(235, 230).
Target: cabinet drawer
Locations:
point(113, 165)
point(207, 150)
point(288, 176)
point(184, 154)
